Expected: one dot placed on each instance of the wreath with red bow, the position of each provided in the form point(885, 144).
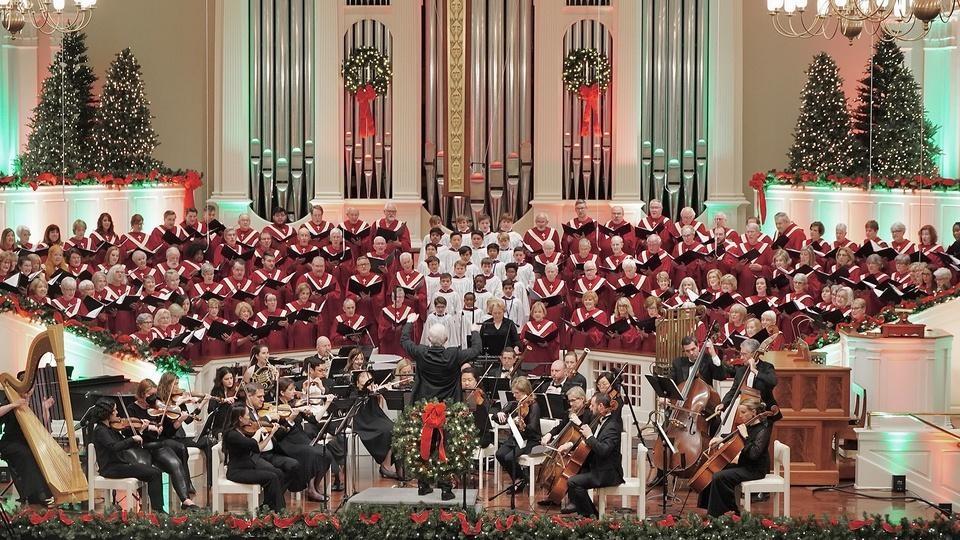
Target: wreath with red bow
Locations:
point(435, 440)
point(366, 74)
point(586, 72)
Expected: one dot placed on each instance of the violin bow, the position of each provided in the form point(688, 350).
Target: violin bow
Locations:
point(127, 414)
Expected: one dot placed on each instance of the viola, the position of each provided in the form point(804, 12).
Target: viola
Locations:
point(136, 424)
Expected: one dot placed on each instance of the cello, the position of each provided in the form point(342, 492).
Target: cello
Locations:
point(715, 459)
point(686, 426)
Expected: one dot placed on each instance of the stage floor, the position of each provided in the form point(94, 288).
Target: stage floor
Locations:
point(804, 501)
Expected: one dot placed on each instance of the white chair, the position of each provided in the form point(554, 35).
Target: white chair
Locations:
point(531, 462)
point(221, 486)
point(482, 455)
point(772, 483)
point(95, 481)
point(632, 485)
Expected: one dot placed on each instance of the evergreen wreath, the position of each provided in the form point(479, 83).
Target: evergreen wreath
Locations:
point(586, 67)
point(366, 65)
point(459, 441)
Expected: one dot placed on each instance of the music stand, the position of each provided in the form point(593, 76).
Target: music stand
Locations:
point(664, 387)
point(554, 406)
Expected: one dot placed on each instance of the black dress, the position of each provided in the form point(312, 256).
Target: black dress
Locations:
point(954, 249)
point(754, 463)
point(296, 443)
point(30, 482)
point(494, 339)
point(374, 429)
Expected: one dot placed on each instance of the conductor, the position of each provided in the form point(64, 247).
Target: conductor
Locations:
point(438, 366)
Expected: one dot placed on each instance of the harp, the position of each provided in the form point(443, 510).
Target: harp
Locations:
point(60, 468)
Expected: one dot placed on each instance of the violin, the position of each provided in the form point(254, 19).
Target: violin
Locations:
point(475, 398)
point(523, 409)
point(252, 428)
point(135, 424)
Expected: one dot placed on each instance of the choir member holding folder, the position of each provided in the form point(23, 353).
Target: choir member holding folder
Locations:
point(587, 325)
point(540, 337)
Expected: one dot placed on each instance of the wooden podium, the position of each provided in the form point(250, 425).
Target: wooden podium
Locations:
point(815, 402)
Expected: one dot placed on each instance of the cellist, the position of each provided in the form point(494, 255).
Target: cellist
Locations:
point(752, 463)
point(577, 399)
point(603, 467)
point(760, 376)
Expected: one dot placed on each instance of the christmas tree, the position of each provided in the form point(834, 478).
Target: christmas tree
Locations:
point(822, 140)
point(61, 121)
point(895, 138)
point(123, 138)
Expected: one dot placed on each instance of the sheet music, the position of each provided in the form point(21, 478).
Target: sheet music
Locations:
point(516, 432)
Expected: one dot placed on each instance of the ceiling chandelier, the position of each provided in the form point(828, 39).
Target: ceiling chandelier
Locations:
point(905, 20)
point(47, 16)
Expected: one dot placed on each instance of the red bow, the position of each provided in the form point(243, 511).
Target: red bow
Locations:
point(757, 182)
point(365, 96)
point(434, 417)
point(590, 95)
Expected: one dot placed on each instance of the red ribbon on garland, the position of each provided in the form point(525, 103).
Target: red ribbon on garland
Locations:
point(757, 183)
point(434, 417)
point(590, 95)
point(364, 97)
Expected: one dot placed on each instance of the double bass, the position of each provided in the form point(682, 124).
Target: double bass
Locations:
point(687, 426)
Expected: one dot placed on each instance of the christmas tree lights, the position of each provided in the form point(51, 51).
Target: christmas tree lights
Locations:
point(823, 141)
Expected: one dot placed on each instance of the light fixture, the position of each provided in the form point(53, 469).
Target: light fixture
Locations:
point(906, 20)
point(47, 16)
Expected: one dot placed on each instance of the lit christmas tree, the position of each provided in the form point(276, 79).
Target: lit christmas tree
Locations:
point(61, 121)
point(895, 137)
point(822, 140)
point(123, 138)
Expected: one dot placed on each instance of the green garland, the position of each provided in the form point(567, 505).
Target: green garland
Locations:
point(364, 66)
point(835, 181)
point(124, 347)
point(405, 522)
point(586, 67)
point(460, 440)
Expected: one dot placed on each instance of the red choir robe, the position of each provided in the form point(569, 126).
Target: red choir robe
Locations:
point(414, 287)
point(534, 238)
point(626, 341)
point(303, 334)
point(541, 261)
point(120, 321)
point(282, 293)
point(571, 242)
point(369, 292)
point(574, 267)
point(339, 262)
point(390, 322)
point(226, 253)
point(598, 285)
point(343, 326)
point(249, 237)
point(69, 308)
point(232, 288)
point(358, 235)
point(282, 234)
point(81, 243)
point(747, 278)
point(631, 289)
point(697, 268)
point(211, 347)
point(584, 333)
point(243, 344)
point(541, 342)
point(319, 232)
point(665, 264)
point(624, 230)
point(555, 294)
point(259, 252)
point(700, 232)
point(791, 239)
point(612, 265)
point(324, 291)
point(158, 245)
point(276, 340)
point(662, 227)
point(396, 233)
point(299, 257)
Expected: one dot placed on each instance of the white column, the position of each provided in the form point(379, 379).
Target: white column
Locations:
point(406, 104)
point(20, 80)
point(725, 105)
point(626, 106)
point(230, 173)
point(548, 28)
point(328, 112)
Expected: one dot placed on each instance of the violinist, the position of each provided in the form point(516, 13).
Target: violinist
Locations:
point(372, 425)
point(760, 376)
point(297, 444)
point(752, 463)
point(112, 462)
point(246, 462)
point(479, 403)
point(169, 455)
point(509, 367)
point(291, 468)
point(525, 413)
point(14, 450)
point(438, 365)
point(314, 389)
point(226, 386)
point(603, 466)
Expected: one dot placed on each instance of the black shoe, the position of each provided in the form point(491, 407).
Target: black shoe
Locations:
point(391, 475)
point(337, 486)
point(424, 490)
point(547, 503)
point(568, 510)
point(189, 507)
point(519, 487)
point(759, 497)
point(447, 494)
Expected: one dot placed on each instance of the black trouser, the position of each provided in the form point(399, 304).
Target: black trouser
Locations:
point(508, 454)
point(145, 473)
point(30, 482)
point(271, 479)
point(720, 496)
point(167, 461)
point(293, 476)
point(577, 487)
